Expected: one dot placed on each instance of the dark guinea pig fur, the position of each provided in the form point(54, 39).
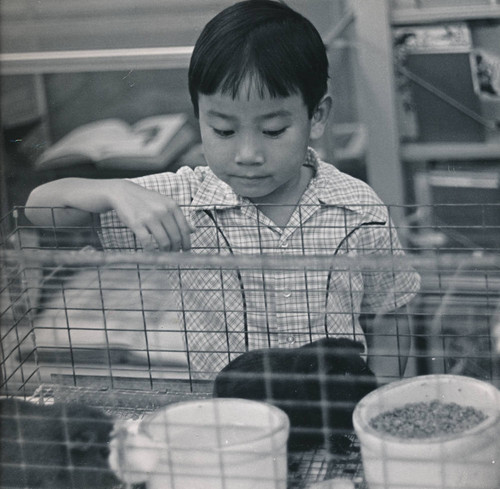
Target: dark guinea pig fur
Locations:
point(54, 437)
point(330, 370)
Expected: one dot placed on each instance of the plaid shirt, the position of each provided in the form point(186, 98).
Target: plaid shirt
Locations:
point(226, 312)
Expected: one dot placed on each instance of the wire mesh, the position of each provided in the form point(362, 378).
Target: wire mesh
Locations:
point(88, 318)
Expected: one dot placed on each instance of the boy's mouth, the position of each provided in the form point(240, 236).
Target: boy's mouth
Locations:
point(250, 177)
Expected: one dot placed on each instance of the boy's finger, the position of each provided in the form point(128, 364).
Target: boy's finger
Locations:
point(175, 236)
point(161, 236)
point(144, 237)
point(182, 220)
point(185, 229)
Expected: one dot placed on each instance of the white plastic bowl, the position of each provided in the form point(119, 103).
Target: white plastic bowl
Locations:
point(468, 460)
point(205, 444)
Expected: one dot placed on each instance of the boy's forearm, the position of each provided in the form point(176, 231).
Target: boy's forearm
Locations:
point(389, 342)
point(69, 201)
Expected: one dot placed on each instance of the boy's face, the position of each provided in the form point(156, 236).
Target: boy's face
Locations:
point(257, 145)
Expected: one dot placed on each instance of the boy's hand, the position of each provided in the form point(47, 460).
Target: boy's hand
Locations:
point(152, 217)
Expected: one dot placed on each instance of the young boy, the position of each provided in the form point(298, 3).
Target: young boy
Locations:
point(258, 83)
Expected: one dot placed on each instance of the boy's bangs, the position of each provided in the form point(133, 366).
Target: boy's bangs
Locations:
point(251, 81)
point(248, 71)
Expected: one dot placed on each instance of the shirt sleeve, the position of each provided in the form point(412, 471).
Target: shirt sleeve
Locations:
point(114, 235)
point(396, 283)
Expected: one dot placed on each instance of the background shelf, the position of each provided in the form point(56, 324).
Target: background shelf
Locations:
point(404, 16)
point(414, 152)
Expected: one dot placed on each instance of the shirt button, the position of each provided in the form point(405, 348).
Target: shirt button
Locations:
point(284, 244)
point(287, 294)
point(290, 339)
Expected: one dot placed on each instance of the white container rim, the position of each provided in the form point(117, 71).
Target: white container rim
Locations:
point(360, 418)
point(282, 420)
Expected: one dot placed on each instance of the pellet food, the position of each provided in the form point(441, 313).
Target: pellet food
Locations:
point(427, 419)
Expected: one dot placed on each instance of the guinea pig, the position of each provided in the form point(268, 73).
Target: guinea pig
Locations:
point(54, 446)
point(317, 385)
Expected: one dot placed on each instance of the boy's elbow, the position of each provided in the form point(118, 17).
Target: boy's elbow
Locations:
point(61, 202)
point(34, 210)
point(44, 207)
point(38, 216)
point(30, 214)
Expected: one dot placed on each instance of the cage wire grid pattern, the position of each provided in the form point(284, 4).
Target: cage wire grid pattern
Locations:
point(116, 330)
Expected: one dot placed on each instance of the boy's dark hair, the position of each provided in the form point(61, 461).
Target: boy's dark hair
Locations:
point(279, 49)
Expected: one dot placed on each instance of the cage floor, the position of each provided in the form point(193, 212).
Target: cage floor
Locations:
point(304, 468)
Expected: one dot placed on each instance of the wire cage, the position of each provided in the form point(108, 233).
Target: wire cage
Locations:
point(101, 341)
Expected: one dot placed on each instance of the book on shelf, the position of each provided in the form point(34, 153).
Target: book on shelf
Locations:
point(150, 144)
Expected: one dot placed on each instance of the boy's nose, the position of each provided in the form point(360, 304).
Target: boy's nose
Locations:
point(249, 152)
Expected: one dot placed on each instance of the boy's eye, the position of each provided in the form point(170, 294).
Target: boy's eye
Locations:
point(223, 133)
point(275, 134)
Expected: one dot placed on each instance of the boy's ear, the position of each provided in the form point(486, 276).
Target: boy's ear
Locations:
point(320, 117)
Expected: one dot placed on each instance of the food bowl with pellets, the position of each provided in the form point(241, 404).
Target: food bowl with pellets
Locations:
point(430, 432)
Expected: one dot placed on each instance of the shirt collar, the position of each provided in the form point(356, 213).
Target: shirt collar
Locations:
point(335, 188)
point(213, 193)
